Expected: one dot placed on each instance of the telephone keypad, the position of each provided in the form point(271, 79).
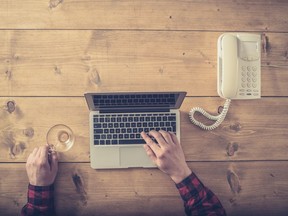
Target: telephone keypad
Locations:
point(249, 80)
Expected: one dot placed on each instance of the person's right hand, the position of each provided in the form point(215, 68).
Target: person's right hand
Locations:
point(167, 155)
point(42, 168)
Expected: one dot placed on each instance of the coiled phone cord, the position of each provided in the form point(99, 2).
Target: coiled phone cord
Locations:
point(218, 118)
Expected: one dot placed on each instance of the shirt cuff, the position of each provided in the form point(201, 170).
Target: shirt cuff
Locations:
point(42, 196)
point(190, 187)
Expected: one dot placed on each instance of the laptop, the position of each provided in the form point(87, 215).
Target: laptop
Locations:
point(117, 119)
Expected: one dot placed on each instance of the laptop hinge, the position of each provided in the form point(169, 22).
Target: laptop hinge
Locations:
point(134, 110)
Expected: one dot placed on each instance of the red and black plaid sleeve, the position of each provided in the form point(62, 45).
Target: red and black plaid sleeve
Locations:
point(198, 199)
point(40, 201)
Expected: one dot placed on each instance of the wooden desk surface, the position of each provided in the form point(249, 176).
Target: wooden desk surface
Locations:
point(51, 52)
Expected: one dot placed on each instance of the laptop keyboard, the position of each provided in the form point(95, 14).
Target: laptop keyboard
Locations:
point(119, 129)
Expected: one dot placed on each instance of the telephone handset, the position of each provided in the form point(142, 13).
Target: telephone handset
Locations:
point(239, 66)
point(239, 73)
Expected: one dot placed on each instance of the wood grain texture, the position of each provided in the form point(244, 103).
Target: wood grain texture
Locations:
point(52, 51)
point(253, 130)
point(220, 15)
point(69, 63)
point(244, 188)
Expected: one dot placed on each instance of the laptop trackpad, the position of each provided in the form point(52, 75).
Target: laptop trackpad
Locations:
point(134, 157)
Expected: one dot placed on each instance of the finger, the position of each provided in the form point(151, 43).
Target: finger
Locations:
point(150, 153)
point(166, 136)
point(54, 162)
point(34, 153)
point(174, 138)
point(32, 157)
point(44, 153)
point(29, 159)
point(155, 148)
point(158, 137)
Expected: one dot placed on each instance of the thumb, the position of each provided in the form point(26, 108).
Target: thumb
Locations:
point(150, 153)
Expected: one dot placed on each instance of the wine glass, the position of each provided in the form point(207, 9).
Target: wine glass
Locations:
point(60, 138)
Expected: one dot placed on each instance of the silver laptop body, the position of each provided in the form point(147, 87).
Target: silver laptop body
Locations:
point(114, 115)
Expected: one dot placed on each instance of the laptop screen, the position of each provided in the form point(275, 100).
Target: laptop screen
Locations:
point(137, 100)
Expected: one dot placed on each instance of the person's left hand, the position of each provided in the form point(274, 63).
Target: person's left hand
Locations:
point(42, 168)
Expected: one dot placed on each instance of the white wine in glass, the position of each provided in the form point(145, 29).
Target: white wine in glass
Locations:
point(60, 138)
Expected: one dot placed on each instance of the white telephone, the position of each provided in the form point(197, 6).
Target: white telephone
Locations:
point(239, 73)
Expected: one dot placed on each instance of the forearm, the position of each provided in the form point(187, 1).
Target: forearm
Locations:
point(40, 201)
point(198, 199)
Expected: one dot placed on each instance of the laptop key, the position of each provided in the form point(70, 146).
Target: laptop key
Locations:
point(172, 118)
point(132, 141)
point(114, 142)
point(97, 131)
point(97, 125)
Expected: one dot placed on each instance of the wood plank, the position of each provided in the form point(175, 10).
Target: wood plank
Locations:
point(222, 15)
point(69, 63)
point(244, 188)
point(253, 130)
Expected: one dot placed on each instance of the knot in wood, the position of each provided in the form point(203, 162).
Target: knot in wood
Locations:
point(232, 148)
point(11, 106)
point(8, 74)
point(54, 3)
point(234, 182)
point(236, 127)
point(28, 132)
point(265, 44)
point(94, 76)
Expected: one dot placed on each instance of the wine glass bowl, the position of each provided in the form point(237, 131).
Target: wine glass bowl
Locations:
point(60, 138)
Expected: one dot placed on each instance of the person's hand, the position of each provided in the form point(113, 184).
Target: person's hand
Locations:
point(42, 168)
point(167, 155)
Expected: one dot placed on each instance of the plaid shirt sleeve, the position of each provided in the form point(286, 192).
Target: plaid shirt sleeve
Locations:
point(198, 199)
point(40, 201)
